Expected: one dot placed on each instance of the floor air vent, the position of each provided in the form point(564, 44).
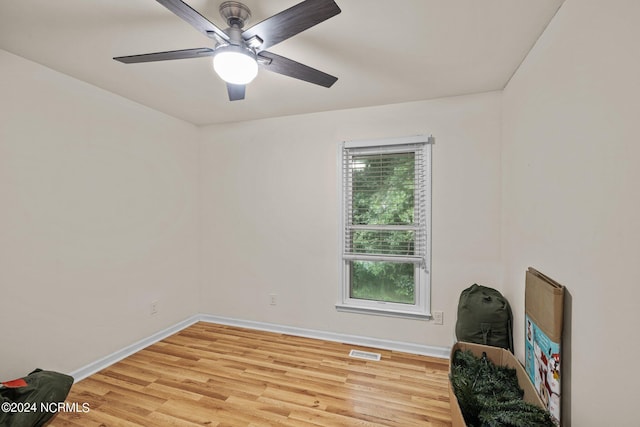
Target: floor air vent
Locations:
point(367, 355)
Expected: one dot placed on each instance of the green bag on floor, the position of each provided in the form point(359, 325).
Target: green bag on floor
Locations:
point(484, 317)
point(31, 401)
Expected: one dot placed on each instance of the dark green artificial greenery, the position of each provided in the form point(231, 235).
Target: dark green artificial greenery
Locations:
point(489, 395)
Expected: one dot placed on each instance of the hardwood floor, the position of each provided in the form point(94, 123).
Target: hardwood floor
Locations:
point(215, 375)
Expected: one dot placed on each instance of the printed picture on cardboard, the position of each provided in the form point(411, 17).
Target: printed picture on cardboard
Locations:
point(542, 363)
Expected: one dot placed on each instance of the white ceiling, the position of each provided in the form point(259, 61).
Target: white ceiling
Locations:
point(382, 52)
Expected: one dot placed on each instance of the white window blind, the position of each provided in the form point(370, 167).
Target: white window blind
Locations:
point(386, 202)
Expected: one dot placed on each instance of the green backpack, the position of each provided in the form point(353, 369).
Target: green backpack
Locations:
point(484, 317)
point(32, 401)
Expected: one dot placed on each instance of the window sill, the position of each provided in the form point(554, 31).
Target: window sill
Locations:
point(383, 312)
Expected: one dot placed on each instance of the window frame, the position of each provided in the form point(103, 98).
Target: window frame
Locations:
point(422, 307)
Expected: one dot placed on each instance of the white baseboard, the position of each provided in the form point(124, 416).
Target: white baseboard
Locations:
point(98, 365)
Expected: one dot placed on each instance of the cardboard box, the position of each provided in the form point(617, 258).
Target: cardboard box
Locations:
point(500, 357)
point(544, 303)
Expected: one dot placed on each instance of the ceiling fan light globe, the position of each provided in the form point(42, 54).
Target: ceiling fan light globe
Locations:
point(235, 67)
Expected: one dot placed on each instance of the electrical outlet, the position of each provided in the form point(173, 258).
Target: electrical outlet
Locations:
point(438, 317)
point(154, 308)
point(273, 299)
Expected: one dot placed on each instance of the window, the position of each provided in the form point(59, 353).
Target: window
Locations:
point(386, 217)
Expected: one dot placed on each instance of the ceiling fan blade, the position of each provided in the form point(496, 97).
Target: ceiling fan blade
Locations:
point(236, 92)
point(285, 66)
point(166, 56)
point(292, 21)
point(199, 22)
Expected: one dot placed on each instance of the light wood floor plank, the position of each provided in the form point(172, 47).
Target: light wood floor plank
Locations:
point(223, 376)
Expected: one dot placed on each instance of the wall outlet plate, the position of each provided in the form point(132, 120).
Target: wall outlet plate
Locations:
point(438, 317)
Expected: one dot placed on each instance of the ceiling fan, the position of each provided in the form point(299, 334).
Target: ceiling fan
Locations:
point(239, 53)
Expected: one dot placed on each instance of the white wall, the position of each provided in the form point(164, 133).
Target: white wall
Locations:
point(270, 195)
point(98, 217)
point(571, 198)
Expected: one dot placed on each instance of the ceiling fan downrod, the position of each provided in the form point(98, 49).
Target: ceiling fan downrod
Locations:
point(237, 15)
